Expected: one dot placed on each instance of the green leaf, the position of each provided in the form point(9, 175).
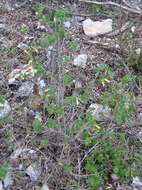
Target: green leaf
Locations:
point(3, 171)
point(95, 182)
point(44, 142)
point(127, 79)
point(86, 95)
point(67, 138)
point(73, 46)
point(67, 80)
point(59, 110)
point(66, 59)
point(61, 33)
point(61, 15)
point(38, 10)
point(38, 69)
point(90, 120)
point(86, 138)
point(79, 123)
point(90, 167)
point(2, 100)
point(38, 188)
point(54, 109)
point(52, 123)
point(37, 126)
point(49, 92)
point(68, 168)
point(71, 100)
point(24, 29)
point(124, 109)
point(21, 173)
point(48, 40)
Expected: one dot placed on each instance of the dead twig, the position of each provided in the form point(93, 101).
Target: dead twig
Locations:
point(126, 3)
point(105, 46)
point(136, 11)
point(119, 31)
point(87, 154)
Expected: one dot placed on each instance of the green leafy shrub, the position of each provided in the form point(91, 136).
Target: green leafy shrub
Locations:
point(110, 156)
point(120, 101)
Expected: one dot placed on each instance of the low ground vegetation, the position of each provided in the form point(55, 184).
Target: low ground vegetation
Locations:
point(52, 117)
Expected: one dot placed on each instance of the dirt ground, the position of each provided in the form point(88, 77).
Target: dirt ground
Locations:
point(20, 31)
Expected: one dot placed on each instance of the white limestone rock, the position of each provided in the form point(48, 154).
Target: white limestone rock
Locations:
point(25, 90)
point(80, 61)
point(1, 186)
point(34, 172)
point(96, 28)
point(99, 112)
point(137, 183)
point(8, 180)
point(67, 24)
point(4, 109)
point(45, 187)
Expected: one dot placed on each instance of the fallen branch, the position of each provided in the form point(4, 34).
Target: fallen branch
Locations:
point(105, 46)
point(114, 4)
point(117, 32)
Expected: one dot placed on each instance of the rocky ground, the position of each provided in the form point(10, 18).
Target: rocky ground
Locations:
point(70, 95)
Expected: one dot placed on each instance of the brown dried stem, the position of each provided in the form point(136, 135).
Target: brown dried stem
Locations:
point(136, 11)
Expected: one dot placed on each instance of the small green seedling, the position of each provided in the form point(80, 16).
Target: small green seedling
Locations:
point(3, 171)
point(2, 101)
point(37, 126)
